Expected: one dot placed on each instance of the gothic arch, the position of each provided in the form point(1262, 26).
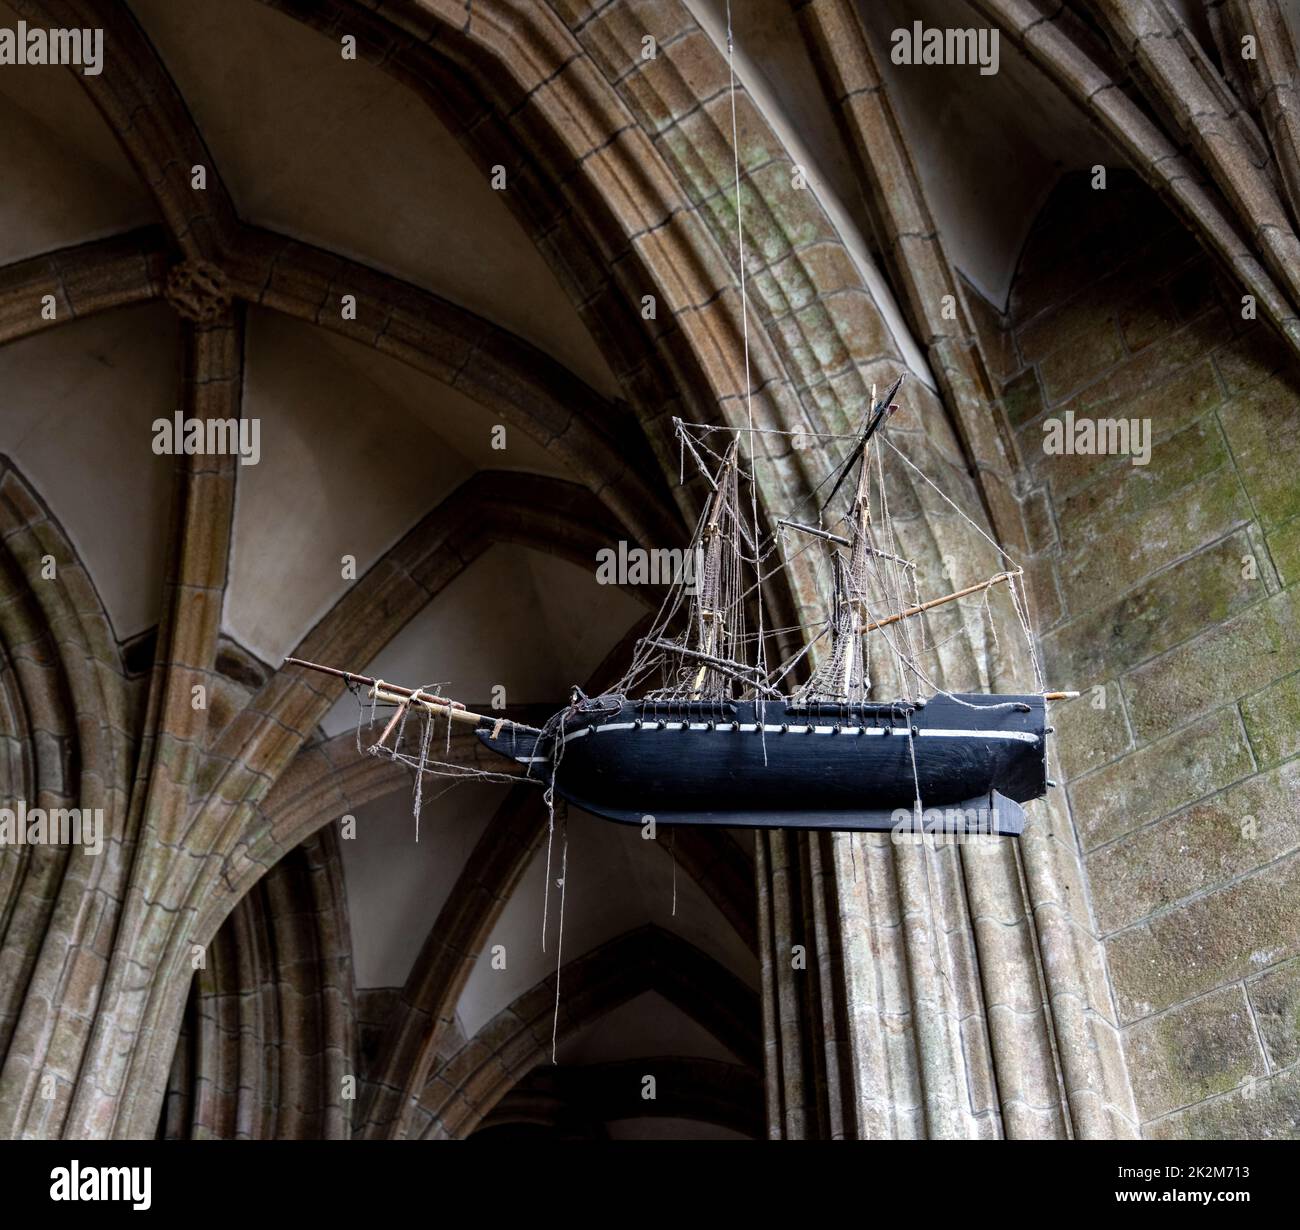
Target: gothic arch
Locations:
point(66, 734)
point(269, 1041)
point(995, 1017)
point(468, 1083)
point(568, 1101)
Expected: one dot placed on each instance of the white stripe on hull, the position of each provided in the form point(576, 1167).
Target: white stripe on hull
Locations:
point(651, 727)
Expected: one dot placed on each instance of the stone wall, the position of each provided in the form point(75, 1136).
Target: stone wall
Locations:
point(1166, 592)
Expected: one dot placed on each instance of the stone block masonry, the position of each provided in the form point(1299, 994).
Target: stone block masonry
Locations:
point(1168, 596)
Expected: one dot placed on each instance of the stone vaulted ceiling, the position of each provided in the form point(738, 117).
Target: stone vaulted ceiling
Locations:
point(971, 997)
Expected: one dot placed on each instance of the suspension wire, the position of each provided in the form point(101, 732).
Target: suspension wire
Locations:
point(761, 658)
point(1018, 602)
point(559, 944)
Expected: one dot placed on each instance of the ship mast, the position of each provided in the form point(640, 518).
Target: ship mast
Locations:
point(710, 656)
point(855, 597)
point(711, 601)
point(843, 676)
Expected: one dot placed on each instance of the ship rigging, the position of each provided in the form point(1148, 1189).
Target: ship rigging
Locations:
point(711, 724)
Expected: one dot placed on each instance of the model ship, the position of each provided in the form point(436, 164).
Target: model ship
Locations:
point(704, 730)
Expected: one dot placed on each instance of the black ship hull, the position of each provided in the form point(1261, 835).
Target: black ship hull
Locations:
point(973, 759)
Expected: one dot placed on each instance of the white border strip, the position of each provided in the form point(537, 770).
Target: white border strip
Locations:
point(650, 726)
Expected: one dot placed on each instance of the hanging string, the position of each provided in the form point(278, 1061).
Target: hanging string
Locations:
point(991, 625)
point(744, 320)
point(361, 712)
point(1020, 604)
point(919, 825)
point(672, 848)
point(549, 799)
point(906, 652)
point(425, 736)
point(559, 946)
point(421, 762)
point(802, 432)
point(1017, 600)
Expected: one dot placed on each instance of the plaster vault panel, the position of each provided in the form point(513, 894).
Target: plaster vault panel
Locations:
point(76, 184)
point(617, 881)
point(533, 623)
point(988, 149)
point(77, 405)
point(463, 424)
point(396, 884)
point(648, 1024)
point(338, 153)
point(345, 469)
